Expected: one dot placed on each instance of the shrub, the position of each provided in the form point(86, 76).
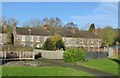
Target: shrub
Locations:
point(54, 43)
point(60, 44)
point(48, 45)
point(73, 55)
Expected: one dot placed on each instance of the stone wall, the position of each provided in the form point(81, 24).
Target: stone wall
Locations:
point(51, 54)
point(114, 52)
point(3, 38)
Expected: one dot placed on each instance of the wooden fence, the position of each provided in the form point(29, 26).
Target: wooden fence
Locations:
point(96, 49)
point(17, 55)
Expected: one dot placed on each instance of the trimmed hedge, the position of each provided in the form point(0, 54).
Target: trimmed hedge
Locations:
point(73, 55)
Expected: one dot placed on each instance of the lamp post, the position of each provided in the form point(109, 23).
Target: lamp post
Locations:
point(29, 35)
point(74, 31)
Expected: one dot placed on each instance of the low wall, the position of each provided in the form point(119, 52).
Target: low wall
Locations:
point(114, 52)
point(52, 54)
point(59, 54)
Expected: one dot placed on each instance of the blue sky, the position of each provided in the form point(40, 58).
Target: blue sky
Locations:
point(81, 13)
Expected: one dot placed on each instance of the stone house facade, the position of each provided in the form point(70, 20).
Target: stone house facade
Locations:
point(33, 38)
point(3, 38)
point(82, 42)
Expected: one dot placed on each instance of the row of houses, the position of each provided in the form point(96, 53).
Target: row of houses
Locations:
point(33, 38)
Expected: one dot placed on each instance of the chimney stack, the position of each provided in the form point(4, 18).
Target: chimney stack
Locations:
point(95, 31)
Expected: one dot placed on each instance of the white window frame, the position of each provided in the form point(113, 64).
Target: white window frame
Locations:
point(1, 44)
point(92, 46)
point(99, 41)
point(31, 38)
point(91, 40)
point(37, 39)
point(38, 46)
point(31, 45)
point(45, 38)
point(23, 38)
point(87, 40)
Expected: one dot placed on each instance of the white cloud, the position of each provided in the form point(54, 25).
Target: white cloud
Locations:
point(105, 14)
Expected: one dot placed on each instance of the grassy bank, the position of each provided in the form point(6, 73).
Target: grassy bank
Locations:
point(106, 65)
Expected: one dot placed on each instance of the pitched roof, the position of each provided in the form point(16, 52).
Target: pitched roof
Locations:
point(25, 31)
point(86, 34)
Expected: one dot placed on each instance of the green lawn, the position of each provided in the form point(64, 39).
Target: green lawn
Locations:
point(0, 71)
point(42, 71)
point(105, 65)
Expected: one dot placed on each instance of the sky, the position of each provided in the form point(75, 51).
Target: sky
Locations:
point(81, 13)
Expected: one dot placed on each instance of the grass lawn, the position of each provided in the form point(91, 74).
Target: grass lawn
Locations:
point(0, 71)
point(105, 65)
point(42, 71)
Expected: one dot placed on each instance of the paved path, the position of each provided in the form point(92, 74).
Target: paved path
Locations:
point(101, 74)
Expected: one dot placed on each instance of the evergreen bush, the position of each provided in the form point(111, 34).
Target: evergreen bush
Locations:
point(74, 55)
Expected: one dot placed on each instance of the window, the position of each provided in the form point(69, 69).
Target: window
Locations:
point(91, 46)
point(31, 45)
point(23, 44)
point(91, 40)
point(23, 38)
point(99, 40)
point(31, 38)
point(0, 44)
point(63, 38)
point(81, 40)
point(45, 38)
point(37, 39)
point(87, 40)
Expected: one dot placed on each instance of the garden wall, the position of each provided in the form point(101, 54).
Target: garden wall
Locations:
point(58, 54)
point(114, 52)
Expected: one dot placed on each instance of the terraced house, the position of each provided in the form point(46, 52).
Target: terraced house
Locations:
point(34, 38)
point(3, 38)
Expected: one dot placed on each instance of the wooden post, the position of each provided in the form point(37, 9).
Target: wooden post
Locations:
point(104, 49)
point(4, 54)
point(33, 55)
point(98, 48)
point(88, 49)
point(19, 54)
point(93, 48)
